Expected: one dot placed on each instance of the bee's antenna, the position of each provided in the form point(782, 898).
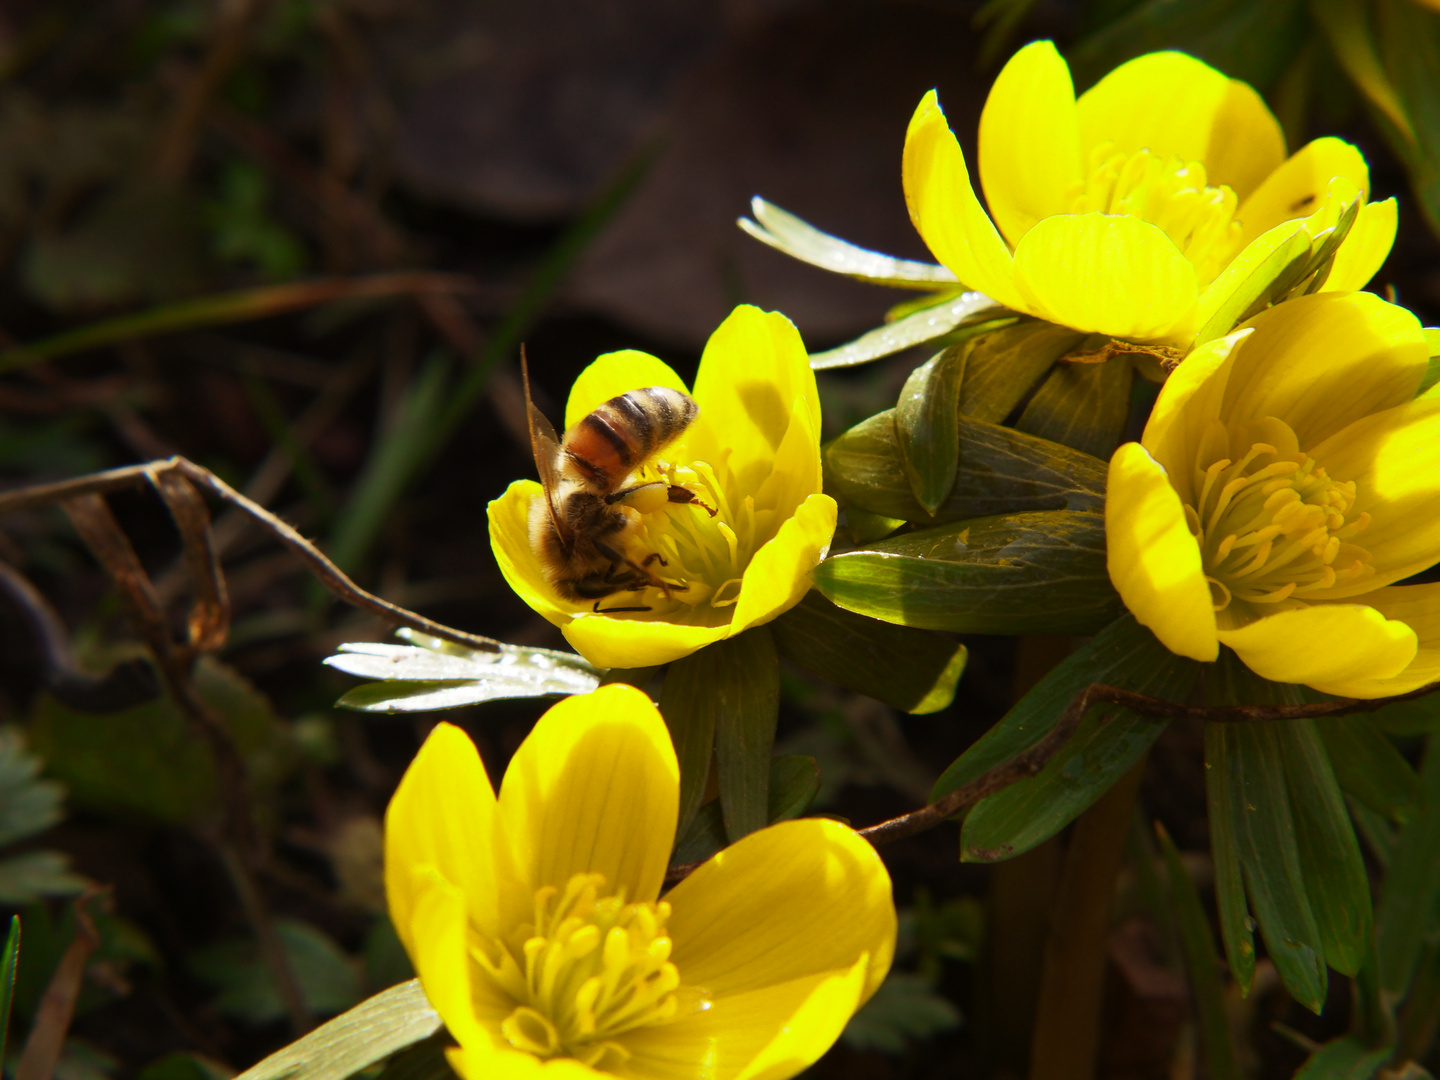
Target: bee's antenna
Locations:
point(525, 371)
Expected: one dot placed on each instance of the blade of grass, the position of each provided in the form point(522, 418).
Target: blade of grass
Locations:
point(8, 961)
point(242, 306)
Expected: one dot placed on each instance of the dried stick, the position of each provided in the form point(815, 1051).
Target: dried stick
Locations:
point(329, 575)
point(57, 1006)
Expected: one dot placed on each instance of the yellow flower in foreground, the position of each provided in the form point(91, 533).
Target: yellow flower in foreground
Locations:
point(1287, 478)
point(535, 924)
point(1138, 209)
point(752, 454)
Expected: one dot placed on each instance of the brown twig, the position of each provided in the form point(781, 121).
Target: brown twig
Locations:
point(329, 575)
point(57, 1006)
point(1029, 762)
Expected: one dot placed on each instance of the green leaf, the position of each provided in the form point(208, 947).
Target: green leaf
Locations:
point(787, 233)
point(733, 687)
point(326, 977)
point(1124, 654)
point(423, 1061)
point(1250, 757)
point(1335, 879)
point(927, 426)
point(8, 960)
point(1345, 1058)
point(28, 804)
point(1368, 766)
point(373, 1030)
point(1237, 929)
point(794, 783)
point(1418, 716)
point(913, 670)
point(1003, 365)
point(1255, 290)
point(182, 1066)
point(147, 760)
point(1001, 470)
point(1346, 26)
point(1010, 574)
point(1082, 405)
point(27, 877)
point(906, 1008)
point(1201, 965)
point(1106, 745)
point(950, 313)
point(690, 706)
point(1407, 912)
point(435, 674)
point(1409, 40)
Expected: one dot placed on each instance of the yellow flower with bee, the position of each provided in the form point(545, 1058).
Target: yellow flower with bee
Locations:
point(1137, 209)
point(1288, 477)
point(535, 922)
point(669, 518)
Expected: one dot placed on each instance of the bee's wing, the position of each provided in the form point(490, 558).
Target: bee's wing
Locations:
point(545, 445)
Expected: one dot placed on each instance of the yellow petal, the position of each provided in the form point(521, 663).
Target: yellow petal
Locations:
point(441, 955)
point(1188, 402)
point(1418, 607)
point(503, 1063)
point(768, 1034)
point(1364, 251)
point(614, 374)
point(1030, 141)
point(611, 641)
point(509, 518)
point(593, 789)
point(796, 472)
point(1105, 274)
point(1170, 103)
point(1329, 643)
point(1297, 188)
point(1394, 459)
point(1324, 361)
point(945, 211)
point(1153, 560)
point(752, 372)
point(779, 574)
point(796, 899)
point(442, 816)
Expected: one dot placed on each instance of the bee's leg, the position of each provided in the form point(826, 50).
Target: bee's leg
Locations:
point(607, 610)
point(654, 556)
point(644, 498)
point(678, 494)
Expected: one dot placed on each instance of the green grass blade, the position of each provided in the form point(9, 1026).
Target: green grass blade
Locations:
point(8, 961)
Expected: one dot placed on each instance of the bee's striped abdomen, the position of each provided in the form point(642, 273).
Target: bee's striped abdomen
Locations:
point(624, 431)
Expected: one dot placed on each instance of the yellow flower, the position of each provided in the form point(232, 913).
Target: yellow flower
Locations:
point(535, 924)
point(1288, 476)
point(752, 454)
point(1138, 209)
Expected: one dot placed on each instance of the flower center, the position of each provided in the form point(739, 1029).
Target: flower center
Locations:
point(1274, 524)
point(588, 969)
point(704, 557)
point(1169, 193)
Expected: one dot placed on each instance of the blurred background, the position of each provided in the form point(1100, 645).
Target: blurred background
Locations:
point(330, 225)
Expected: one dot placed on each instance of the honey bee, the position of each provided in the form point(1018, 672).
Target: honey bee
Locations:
point(580, 530)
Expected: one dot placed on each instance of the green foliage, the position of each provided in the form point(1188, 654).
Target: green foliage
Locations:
point(927, 426)
point(28, 805)
point(910, 669)
point(433, 674)
point(1368, 767)
point(1010, 574)
point(905, 1008)
point(148, 761)
point(8, 961)
point(182, 1066)
point(242, 229)
point(794, 783)
point(328, 979)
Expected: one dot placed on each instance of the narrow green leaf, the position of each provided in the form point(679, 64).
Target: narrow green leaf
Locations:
point(951, 313)
point(1419, 716)
point(792, 236)
point(1123, 654)
point(1378, 832)
point(1335, 880)
point(1010, 574)
point(1106, 745)
point(442, 675)
point(794, 783)
point(1368, 766)
point(1082, 405)
point(689, 705)
point(373, 1030)
point(742, 688)
point(1237, 928)
point(1254, 291)
point(927, 426)
point(1409, 40)
point(1347, 28)
point(1201, 965)
point(1420, 1020)
point(8, 960)
point(1004, 364)
point(1270, 859)
point(1001, 470)
point(1345, 1058)
point(913, 670)
point(1407, 912)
